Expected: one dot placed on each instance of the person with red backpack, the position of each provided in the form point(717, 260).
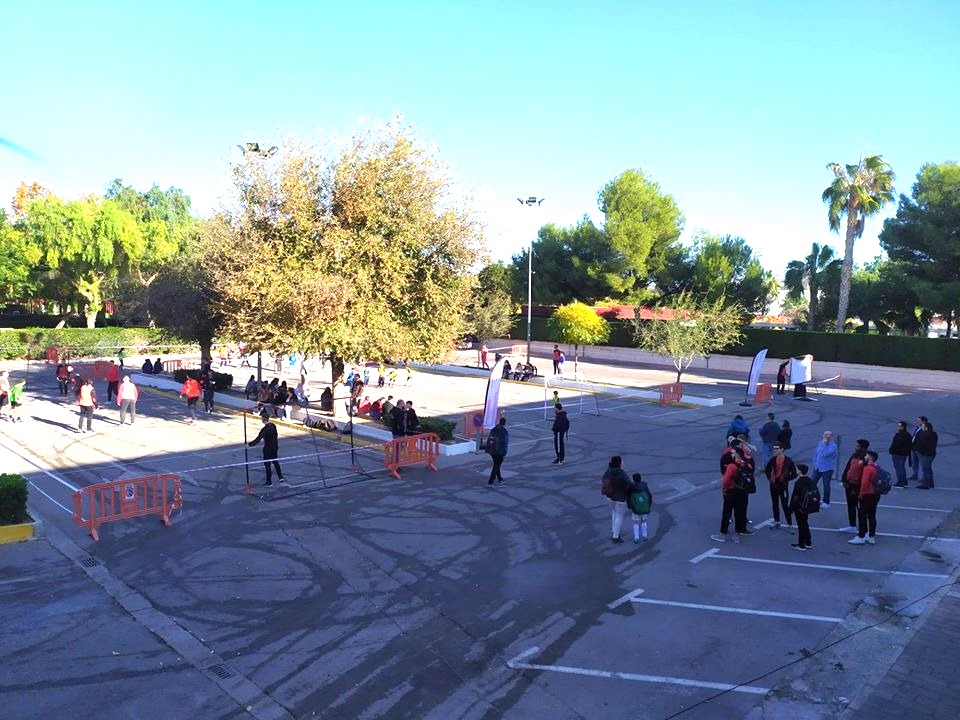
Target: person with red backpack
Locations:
point(735, 496)
point(191, 389)
point(850, 478)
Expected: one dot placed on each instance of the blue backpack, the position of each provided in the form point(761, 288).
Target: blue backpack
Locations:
point(884, 482)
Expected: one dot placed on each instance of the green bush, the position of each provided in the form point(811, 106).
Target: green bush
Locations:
point(33, 342)
point(13, 500)
point(443, 428)
point(221, 381)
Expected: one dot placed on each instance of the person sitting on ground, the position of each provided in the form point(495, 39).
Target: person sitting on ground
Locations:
point(507, 370)
point(364, 407)
point(282, 391)
point(264, 396)
point(250, 389)
point(147, 367)
point(288, 405)
point(158, 367)
point(386, 410)
point(300, 392)
point(274, 384)
point(411, 420)
point(376, 410)
point(326, 400)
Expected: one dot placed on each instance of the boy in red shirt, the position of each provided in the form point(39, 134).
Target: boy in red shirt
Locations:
point(191, 388)
point(869, 498)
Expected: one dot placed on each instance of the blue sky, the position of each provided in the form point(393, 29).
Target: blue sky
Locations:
point(732, 107)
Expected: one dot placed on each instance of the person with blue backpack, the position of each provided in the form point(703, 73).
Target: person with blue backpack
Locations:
point(871, 487)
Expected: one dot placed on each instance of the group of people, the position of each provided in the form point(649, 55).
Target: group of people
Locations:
point(276, 396)
point(385, 376)
point(521, 371)
point(864, 481)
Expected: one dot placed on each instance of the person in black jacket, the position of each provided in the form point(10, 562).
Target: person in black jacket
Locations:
point(271, 446)
point(497, 444)
point(900, 448)
point(785, 438)
point(780, 471)
point(561, 426)
point(925, 446)
point(801, 487)
point(620, 487)
point(398, 418)
point(850, 479)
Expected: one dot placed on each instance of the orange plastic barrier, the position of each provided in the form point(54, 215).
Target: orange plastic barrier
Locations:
point(411, 450)
point(473, 422)
point(170, 365)
point(764, 393)
point(53, 355)
point(105, 502)
point(671, 393)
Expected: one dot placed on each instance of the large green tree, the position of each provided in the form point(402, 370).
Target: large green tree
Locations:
point(857, 192)
point(489, 313)
point(364, 253)
point(924, 238)
point(807, 276)
point(725, 267)
point(17, 259)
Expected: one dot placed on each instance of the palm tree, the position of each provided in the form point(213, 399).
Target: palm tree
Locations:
point(809, 273)
point(858, 192)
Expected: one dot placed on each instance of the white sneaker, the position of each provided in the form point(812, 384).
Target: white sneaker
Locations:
point(857, 541)
point(824, 505)
point(871, 540)
point(719, 537)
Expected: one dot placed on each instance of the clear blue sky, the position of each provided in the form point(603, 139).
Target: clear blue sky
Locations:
point(733, 107)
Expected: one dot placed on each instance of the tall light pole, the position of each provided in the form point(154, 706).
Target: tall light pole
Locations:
point(252, 149)
point(531, 201)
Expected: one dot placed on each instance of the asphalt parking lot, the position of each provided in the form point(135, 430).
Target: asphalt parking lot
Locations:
point(348, 594)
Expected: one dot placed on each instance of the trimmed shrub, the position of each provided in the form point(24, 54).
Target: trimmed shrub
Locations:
point(13, 500)
point(100, 342)
point(221, 381)
point(443, 428)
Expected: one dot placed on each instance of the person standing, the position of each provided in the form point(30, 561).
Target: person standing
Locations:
point(560, 361)
point(556, 359)
point(561, 426)
point(191, 389)
point(915, 459)
point(802, 488)
point(925, 446)
point(498, 442)
point(63, 378)
point(869, 498)
point(87, 400)
point(617, 487)
point(271, 448)
point(209, 390)
point(734, 498)
point(780, 471)
point(785, 438)
point(769, 433)
point(850, 479)
point(121, 356)
point(398, 419)
point(640, 501)
point(900, 448)
point(483, 356)
point(738, 426)
point(825, 464)
point(127, 397)
point(4, 390)
point(782, 377)
point(16, 400)
point(411, 423)
point(113, 380)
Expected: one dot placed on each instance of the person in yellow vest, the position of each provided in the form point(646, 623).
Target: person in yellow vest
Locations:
point(87, 399)
point(191, 389)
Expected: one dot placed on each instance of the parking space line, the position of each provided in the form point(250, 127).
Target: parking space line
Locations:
point(516, 664)
point(892, 535)
point(704, 555)
point(713, 554)
point(735, 610)
point(904, 507)
point(624, 599)
point(48, 497)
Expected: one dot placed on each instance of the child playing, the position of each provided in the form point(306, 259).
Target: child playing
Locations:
point(640, 502)
point(16, 400)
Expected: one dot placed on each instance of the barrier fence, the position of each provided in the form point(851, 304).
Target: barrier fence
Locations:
point(411, 450)
point(95, 505)
point(671, 393)
point(764, 393)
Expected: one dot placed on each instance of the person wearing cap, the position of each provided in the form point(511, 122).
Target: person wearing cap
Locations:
point(127, 397)
point(271, 447)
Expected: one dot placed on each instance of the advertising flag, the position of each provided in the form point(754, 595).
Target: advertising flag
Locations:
point(492, 402)
point(754, 376)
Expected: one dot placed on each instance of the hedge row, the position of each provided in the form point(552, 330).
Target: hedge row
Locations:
point(883, 350)
point(83, 342)
point(13, 499)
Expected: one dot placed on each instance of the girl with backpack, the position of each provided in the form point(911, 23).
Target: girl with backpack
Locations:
point(640, 501)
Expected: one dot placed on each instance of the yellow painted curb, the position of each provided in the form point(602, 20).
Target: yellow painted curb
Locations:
point(16, 533)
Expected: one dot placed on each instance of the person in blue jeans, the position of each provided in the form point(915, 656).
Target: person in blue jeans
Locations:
point(824, 464)
point(914, 457)
point(900, 449)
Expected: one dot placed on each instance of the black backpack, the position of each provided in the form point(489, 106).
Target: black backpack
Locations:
point(493, 445)
point(810, 501)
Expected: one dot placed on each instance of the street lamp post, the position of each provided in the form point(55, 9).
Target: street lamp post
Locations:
point(530, 202)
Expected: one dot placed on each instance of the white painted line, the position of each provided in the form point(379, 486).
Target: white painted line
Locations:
point(705, 555)
point(615, 675)
point(60, 480)
point(815, 566)
point(624, 599)
point(765, 523)
point(893, 535)
point(738, 611)
point(900, 507)
point(65, 509)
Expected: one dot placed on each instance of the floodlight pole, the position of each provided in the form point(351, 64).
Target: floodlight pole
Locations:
point(530, 202)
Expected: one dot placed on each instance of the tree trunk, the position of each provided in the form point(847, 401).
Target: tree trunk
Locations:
point(813, 307)
point(336, 370)
point(205, 350)
point(846, 270)
point(949, 323)
point(679, 373)
point(91, 318)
